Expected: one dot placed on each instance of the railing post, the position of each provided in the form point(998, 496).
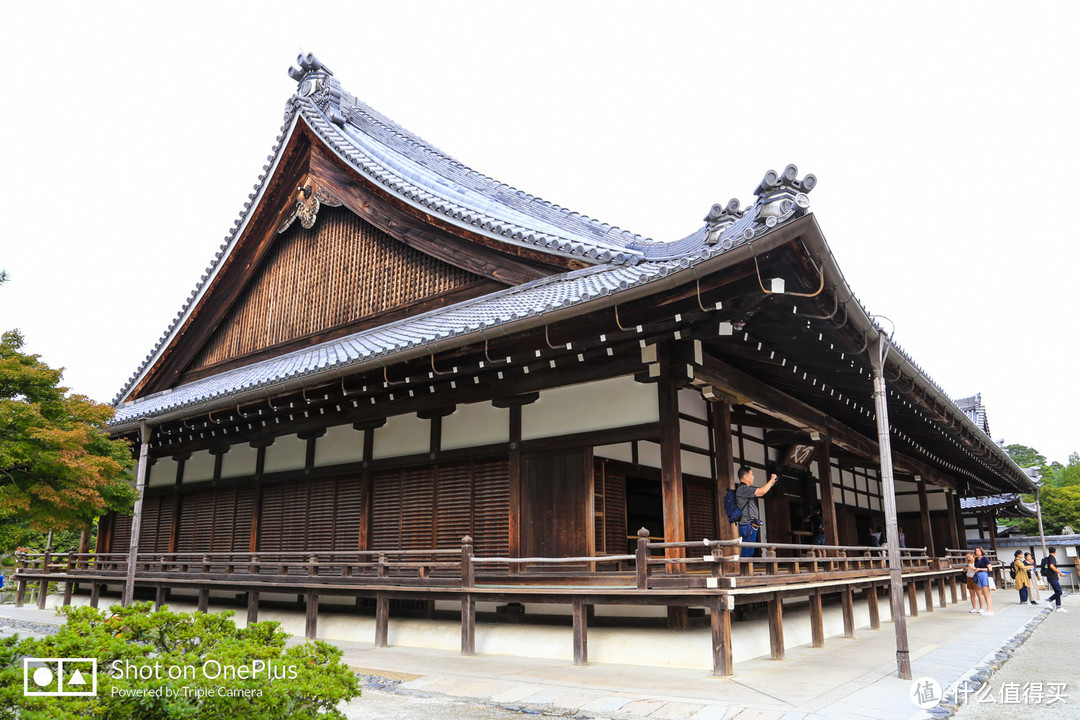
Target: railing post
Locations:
point(313, 565)
point(44, 593)
point(69, 586)
point(384, 567)
point(468, 568)
point(770, 569)
point(253, 565)
point(641, 559)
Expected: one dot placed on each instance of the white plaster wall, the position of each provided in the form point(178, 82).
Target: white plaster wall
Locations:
point(474, 425)
point(691, 403)
point(696, 464)
point(200, 466)
point(240, 461)
point(937, 501)
point(907, 503)
point(623, 451)
point(649, 454)
point(627, 646)
point(288, 452)
point(341, 444)
point(618, 402)
point(402, 435)
point(753, 452)
point(753, 432)
point(690, 433)
point(163, 472)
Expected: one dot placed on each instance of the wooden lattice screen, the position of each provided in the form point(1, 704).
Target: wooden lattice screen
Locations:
point(339, 272)
point(419, 508)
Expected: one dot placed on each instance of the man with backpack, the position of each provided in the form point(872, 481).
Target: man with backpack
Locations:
point(1052, 574)
point(746, 496)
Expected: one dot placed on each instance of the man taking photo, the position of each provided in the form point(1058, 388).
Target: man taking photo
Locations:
point(746, 496)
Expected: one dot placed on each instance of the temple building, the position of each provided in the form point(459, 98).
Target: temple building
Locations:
point(392, 353)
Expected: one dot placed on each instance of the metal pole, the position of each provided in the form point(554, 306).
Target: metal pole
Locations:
point(136, 518)
point(896, 582)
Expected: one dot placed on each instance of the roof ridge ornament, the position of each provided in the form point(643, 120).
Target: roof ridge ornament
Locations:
point(779, 197)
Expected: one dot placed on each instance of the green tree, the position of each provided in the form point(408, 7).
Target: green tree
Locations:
point(165, 665)
point(58, 467)
point(1027, 457)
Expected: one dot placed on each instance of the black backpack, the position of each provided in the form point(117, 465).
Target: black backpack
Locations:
point(1044, 567)
point(1012, 571)
point(731, 508)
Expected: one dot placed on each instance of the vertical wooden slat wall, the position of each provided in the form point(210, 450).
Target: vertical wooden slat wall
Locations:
point(700, 507)
point(427, 507)
point(336, 273)
point(311, 515)
point(610, 505)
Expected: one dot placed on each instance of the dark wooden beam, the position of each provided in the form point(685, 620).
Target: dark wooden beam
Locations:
point(817, 626)
point(671, 482)
point(924, 515)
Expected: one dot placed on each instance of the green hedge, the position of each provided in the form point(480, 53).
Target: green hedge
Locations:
point(156, 665)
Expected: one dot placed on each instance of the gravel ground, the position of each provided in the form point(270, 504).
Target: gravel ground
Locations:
point(25, 628)
point(382, 705)
point(1050, 656)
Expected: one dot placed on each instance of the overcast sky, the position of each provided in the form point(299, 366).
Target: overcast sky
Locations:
point(943, 135)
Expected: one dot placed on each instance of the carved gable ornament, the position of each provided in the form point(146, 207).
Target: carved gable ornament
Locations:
point(306, 201)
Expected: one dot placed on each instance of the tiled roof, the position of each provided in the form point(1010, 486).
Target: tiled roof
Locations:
point(973, 407)
point(404, 164)
point(974, 505)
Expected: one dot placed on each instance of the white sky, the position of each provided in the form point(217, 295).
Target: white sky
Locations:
point(943, 135)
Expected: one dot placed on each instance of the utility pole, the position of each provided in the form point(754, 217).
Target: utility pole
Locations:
point(896, 582)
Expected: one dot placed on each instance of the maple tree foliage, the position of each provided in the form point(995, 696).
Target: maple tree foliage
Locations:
point(58, 467)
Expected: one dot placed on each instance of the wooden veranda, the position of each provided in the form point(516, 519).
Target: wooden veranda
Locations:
point(719, 581)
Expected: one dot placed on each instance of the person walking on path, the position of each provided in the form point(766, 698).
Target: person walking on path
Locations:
point(1033, 575)
point(973, 589)
point(1053, 575)
point(746, 496)
point(982, 581)
point(1020, 574)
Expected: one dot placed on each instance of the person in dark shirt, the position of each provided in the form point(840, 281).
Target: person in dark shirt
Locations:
point(817, 526)
point(746, 496)
point(1053, 576)
point(982, 580)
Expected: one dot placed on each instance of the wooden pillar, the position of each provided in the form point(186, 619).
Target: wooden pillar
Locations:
point(581, 634)
point(382, 619)
point(204, 599)
point(720, 414)
point(159, 596)
point(913, 599)
point(991, 522)
point(817, 625)
point(940, 582)
point(95, 594)
point(367, 480)
point(311, 605)
point(671, 467)
point(872, 606)
point(963, 590)
point(20, 593)
point(952, 588)
point(252, 607)
point(847, 602)
point(69, 586)
point(720, 619)
point(928, 592)
point(468, 625)
point(515, 486)
point(824, 477)
point(776, 627)
point(924, 513)
point(950, 507)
